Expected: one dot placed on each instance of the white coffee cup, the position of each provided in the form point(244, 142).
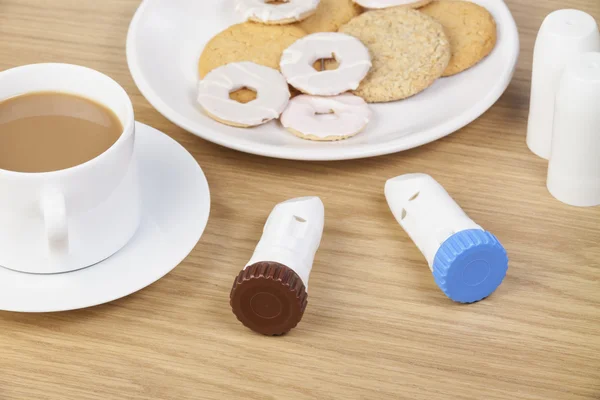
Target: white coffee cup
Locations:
point(60, 221)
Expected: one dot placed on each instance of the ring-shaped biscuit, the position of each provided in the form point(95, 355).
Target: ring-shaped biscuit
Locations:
point(298, 59)
point(375, 4)
point(271, 89)
point(326, 118)
point(288, 12)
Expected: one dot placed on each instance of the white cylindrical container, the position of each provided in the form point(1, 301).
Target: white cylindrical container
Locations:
point(269, 295)
point(563, 35)
point(467, 263)
point(574, 167)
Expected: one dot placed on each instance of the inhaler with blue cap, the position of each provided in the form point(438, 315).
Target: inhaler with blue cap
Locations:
point(467, 262)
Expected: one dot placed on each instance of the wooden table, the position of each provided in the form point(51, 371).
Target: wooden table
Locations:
point(376, 327)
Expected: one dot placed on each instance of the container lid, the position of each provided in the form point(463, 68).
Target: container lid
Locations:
point(470, 265)
point(268, 298)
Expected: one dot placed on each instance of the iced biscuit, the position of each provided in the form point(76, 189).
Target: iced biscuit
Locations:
point(261, 44)
point(297, 63)
point(409, 51)
point(471, 30)
point(276, 12)
point(272, 89)
point(330, 15)
point(373, 4)
point(326, 118)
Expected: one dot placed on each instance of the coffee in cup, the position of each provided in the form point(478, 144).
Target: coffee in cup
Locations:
point(50, 131)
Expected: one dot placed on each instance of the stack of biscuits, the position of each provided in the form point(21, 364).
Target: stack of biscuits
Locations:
point(411, 43)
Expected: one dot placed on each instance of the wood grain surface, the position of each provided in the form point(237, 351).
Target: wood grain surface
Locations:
point(376, 326)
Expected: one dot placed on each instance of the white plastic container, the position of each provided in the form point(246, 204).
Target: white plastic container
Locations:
point(563, 35)
point(467, 263)
point(292, 235)
point(574, 167)
point(270, 295)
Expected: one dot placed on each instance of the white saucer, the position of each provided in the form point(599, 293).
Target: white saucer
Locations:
point(176, 207)
point(166, 38)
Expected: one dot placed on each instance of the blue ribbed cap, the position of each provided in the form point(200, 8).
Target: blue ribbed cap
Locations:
point(470, 265)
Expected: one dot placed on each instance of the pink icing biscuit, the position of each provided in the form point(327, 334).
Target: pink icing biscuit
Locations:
point(372, 4)
point(326, 118)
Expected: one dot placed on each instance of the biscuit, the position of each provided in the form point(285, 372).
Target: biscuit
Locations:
point(297, 63)
point(276, 12)
point(258, 43)
point(214, 94)
point(409, 51)
point(305, 117)
point(377, 4)
point(419, 4)
point(330, 15)
point(314, 138)
point(286, 21)
point(470, 28)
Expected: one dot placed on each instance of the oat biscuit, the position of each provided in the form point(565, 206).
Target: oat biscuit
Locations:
point(258, 43)
point(470, 28)
point(330, 15)
point(409, 49)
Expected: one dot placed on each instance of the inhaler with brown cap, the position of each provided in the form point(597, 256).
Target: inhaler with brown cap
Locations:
point(269, 295)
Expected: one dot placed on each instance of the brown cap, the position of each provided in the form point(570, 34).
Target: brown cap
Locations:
point(268, 298)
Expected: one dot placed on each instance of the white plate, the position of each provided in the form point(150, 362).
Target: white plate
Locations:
point(176, 207)
point(166, 38)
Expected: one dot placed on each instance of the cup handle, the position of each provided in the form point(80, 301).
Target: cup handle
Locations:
point(55, 217)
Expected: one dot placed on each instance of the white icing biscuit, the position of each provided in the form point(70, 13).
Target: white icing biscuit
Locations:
point(326, 118)
point(286, 13)
point(271, 89)
point(298, 59)
point(373, 4)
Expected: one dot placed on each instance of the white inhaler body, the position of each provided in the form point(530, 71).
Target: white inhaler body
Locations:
point(292, 235)
point(270, 295)
point(574, 167)
point(467, 262)
point(564, 35)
